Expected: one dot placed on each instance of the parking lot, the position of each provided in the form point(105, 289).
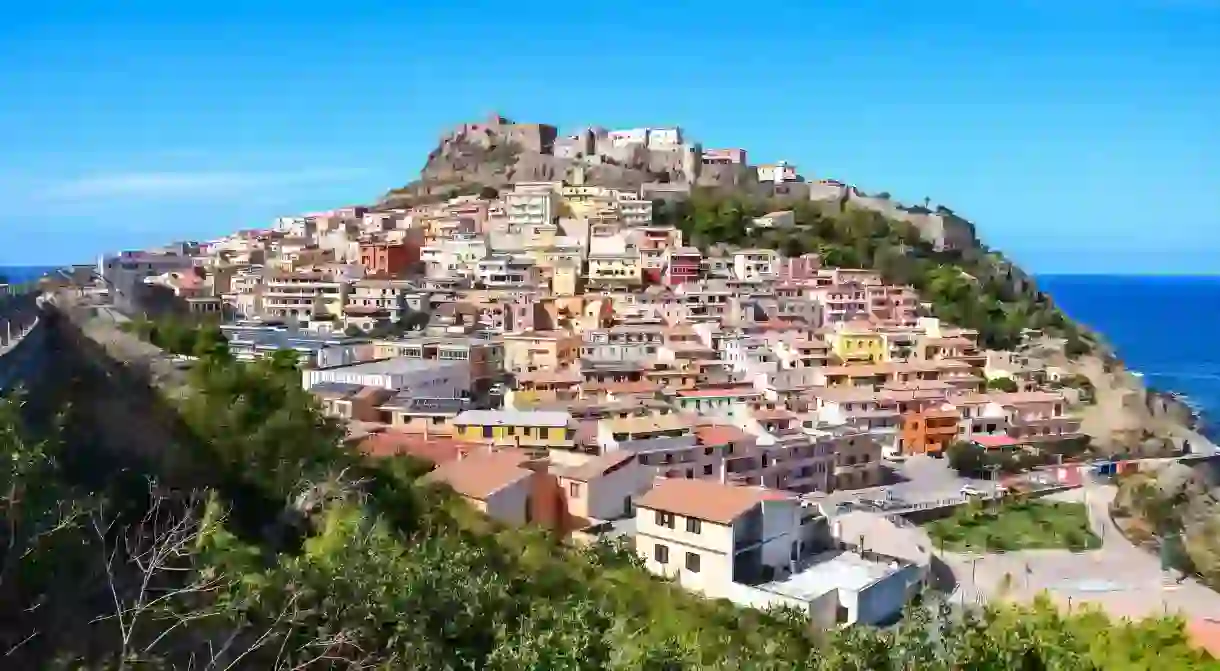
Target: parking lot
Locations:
point(918, 480)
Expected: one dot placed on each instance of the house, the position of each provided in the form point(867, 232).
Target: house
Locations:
point(857, 462)
point(776, 173)
point(547, 385)
point(709, 535)
point(426, 416)
point(509, 485)
point(857, 343)
point(381, 258)
point(485, 357)
point(601, 488)
point(683, 265)
point(753, 265)
point(929, 431)
point(445, 379)
point(528, 429)
point(540, 350)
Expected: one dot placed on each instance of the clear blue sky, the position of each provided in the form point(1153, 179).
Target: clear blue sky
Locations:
point(1081, 136)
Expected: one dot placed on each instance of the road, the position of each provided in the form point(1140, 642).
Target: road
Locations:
point(923, 480)
point(1121, 578)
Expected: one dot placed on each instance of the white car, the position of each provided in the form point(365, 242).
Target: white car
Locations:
point(971, 490)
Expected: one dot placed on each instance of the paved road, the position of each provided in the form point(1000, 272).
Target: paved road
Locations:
point(1121, 578)
point(925, 479)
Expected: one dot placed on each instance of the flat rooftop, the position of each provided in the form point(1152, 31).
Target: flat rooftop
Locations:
point(545, 418)
point(831, 570)
point(396, 365)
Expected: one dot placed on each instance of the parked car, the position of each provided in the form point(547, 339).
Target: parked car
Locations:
point(971, 490)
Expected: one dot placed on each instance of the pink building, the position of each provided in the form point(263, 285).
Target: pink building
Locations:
point(724, 157)
point(799, 269)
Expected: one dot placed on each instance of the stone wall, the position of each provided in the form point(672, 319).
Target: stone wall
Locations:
point(117, 393)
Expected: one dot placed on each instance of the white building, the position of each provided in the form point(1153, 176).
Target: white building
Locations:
point(431, 378)
point(302, 296)
point(753, 265)
point(709, 535)
point(531, 205)
point(505, 271)
point(777, 173)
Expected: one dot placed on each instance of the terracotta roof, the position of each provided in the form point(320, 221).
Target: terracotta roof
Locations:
point(772, 414)
point(598, 466)
point(718, 391)
point(720, 434)
point(481, 474)
point(433, 449)
point(707, 500)
point(992, 442)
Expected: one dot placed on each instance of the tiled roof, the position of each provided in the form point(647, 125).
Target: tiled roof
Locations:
point(436, 450)
point(720, 434)
point(707, 500)
point(482, 474)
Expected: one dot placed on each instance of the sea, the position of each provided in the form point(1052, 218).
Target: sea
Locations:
point(1162, 327)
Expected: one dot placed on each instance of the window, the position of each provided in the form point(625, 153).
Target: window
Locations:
point(574, 489)
point(694, 525)
point(665, 519)
point(661, 554)
point(707, 469)
point(692, 562)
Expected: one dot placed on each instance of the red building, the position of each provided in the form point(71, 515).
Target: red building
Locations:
point(393, 259)
point(684, 266)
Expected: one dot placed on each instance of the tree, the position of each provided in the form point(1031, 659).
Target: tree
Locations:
point(1004, 384)
point(353, 331)
point(966, 458)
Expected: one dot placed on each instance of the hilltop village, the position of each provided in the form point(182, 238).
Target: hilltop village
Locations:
point(565, 358)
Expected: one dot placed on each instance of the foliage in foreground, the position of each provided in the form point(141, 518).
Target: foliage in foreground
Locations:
point(1010, 525)
point(338, 563)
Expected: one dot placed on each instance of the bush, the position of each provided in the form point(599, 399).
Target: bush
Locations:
point(1004, 384)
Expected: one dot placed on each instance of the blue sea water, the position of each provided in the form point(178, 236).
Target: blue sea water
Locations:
point(1161, 327)
point(19, 274)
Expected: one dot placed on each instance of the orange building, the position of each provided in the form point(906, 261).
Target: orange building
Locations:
point(928, 431)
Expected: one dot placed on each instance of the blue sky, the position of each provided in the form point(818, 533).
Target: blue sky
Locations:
point(1081, 136)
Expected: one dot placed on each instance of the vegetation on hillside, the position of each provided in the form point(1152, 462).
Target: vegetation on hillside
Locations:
point(1015, 525)
point(298, 554)
point(974, 288)
point(1177, 514)
point(975, 461)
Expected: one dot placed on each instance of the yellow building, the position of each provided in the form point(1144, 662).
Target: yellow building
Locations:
point(527, 429)
point(858, 345)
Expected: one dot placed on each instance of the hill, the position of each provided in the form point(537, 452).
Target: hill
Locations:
point(714, 201)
